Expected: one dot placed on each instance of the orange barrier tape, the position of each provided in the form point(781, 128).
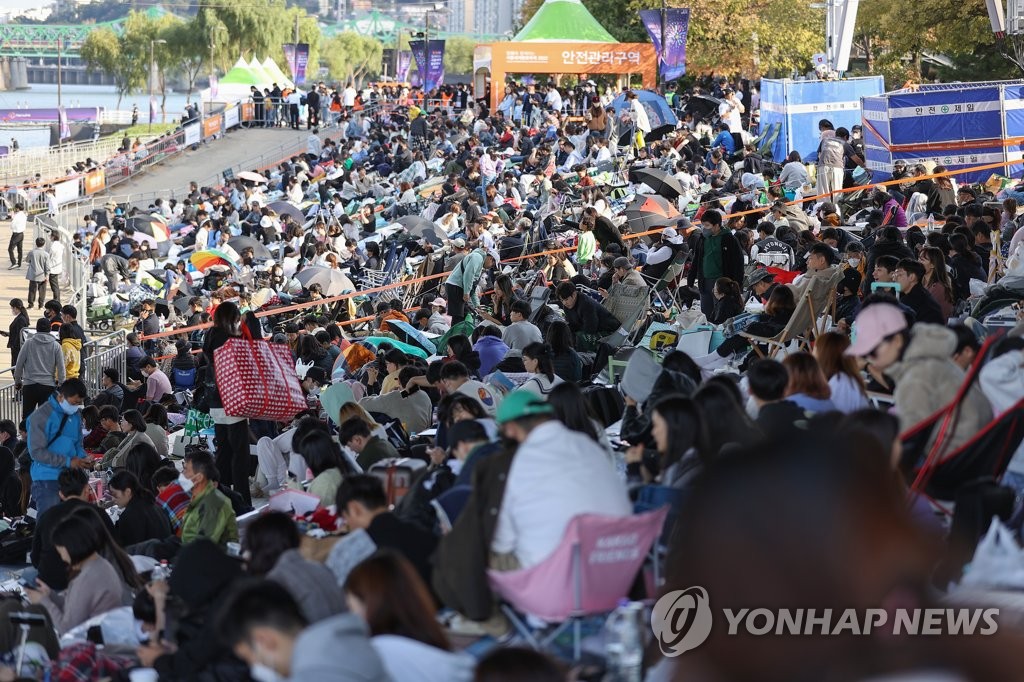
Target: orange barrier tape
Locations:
point(635, 235)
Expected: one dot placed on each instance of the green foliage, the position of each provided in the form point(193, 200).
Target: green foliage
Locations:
point(353, 57)
point(103, 50)
point(458, 55)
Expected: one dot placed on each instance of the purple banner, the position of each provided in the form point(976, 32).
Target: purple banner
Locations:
point(402, 70)
point(431, 64)
point(677, 26)
point(48, 115)
point(297, 56)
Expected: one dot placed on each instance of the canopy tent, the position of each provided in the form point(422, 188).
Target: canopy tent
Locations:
point(563, 21)
point(236, 83)
point(261, 73)
point(563, 37)
point(242, 74)
point(276, 74)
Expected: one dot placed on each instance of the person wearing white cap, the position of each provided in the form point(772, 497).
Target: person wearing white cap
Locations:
point(660, 258)
point(920, 360)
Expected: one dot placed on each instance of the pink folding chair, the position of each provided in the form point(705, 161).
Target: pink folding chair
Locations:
point(589, 572)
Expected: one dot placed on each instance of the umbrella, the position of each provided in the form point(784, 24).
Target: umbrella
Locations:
point(421, 227)
point(149, 225)
point(259, 249)
point(703, 107)
point(660, 181)
point(333, 282)
point(140, 237)
point(284, 208)
point(660, 115)
point(204, 260)
point(251, 177)
point(651, 211)
point(406, 333)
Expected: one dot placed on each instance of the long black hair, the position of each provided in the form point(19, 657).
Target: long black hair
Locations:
point(82, 533)
point(541, 352)
point(266, 539)
point(572, 410)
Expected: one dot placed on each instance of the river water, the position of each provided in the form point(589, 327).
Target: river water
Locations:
point(41, 96)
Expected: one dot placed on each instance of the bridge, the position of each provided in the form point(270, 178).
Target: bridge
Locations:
point(40, 40)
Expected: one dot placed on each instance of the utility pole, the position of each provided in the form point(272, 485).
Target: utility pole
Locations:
point(58, 72)
point(426, 51)
point(295, 53)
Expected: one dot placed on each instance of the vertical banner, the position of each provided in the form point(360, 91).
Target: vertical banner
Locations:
point(429, 62)
point(677, 26)
point(404, 62)
point(152, 109)
point(214, 85)
point(65, 129)
point(297, 56)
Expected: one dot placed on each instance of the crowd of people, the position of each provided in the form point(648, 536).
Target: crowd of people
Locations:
point(460, 290)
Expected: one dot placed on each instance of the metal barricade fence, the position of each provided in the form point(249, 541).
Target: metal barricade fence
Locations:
point(110, 350)
point(10, 398)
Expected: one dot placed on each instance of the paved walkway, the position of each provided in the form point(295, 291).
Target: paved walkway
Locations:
point(249, 148)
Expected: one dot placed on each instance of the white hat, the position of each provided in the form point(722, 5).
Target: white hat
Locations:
point(459, 243)
point(440, 303)
point(670, 235)
point(265, 221)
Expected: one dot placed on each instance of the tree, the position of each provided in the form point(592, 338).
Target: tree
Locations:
point(458, 55)
point(353, 57)
point(103, 50)
point(188, 49)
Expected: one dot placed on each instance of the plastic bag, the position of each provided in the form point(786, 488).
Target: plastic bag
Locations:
point(998, 560)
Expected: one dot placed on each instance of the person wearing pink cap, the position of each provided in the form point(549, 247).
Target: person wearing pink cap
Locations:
point(920, 360)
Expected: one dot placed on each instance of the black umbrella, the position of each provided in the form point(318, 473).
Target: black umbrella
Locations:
point(259, 249)
point(660, 181)
point(644, 222)
point(284, 208)
point(413, 221)
point(141, 223)
point(703, 107)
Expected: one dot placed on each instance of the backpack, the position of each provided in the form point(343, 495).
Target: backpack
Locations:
point(416, 506)
point(398, 476)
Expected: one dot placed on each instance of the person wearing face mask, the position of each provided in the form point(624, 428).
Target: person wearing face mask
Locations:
point(231, 433)
point(717, 253)
point(209, 513)
point(855, 259)
point(55, 441)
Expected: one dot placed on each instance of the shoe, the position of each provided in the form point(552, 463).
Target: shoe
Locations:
point(13, 267)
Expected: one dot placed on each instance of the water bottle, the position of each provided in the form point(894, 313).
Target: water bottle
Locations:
point(162, 571)
point(624, 642)
point(931, 222)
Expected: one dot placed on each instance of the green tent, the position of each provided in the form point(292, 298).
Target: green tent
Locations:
point(563, 21)
point(241, 74)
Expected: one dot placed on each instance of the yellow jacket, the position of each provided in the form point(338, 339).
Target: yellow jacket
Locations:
point(72, 349)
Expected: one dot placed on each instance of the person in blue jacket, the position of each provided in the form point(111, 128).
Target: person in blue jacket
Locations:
point(55, 441)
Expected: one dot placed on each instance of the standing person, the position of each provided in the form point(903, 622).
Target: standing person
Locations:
point(19, 220)
point(717, 253)
point(731, 111)
point(39, 369)
point(231, 433)
point(460, 286)
point(54, 264)
point(38, 261)
point(55, 441)
point(13, 332)
point(641, 123)
point(294, 100)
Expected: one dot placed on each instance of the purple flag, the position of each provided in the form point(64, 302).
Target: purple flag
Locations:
point(65, 129)
point(297, 56)
point(429, 62)
point(677, 25)
point(404, 62)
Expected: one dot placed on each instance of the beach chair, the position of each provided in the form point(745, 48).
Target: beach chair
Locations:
point(590, 571)
point(797, 329)
point(628, 303)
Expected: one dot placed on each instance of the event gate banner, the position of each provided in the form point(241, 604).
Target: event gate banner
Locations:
point(429, 61)
point(677, 26)
point(297, 56)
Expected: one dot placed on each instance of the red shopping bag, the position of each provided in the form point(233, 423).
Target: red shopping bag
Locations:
point(257, 380)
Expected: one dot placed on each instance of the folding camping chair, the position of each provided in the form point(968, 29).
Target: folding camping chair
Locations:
point(797, 329)
point(629, 304)
point(582, 577)
point(662, 288)
point(939, 472)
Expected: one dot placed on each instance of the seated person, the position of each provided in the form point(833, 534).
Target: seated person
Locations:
point(363, 504)
point(141, 519)
point(171, 496)
point(369, 448)
point(589, 320)
point(777, 417)
point(209, 513)
point(773, 320)
point(110, 421)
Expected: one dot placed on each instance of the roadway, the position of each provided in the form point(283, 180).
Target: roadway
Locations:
point(239, 149)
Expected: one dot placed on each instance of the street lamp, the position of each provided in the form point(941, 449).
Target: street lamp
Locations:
point(58, 73)
point(152, 44)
